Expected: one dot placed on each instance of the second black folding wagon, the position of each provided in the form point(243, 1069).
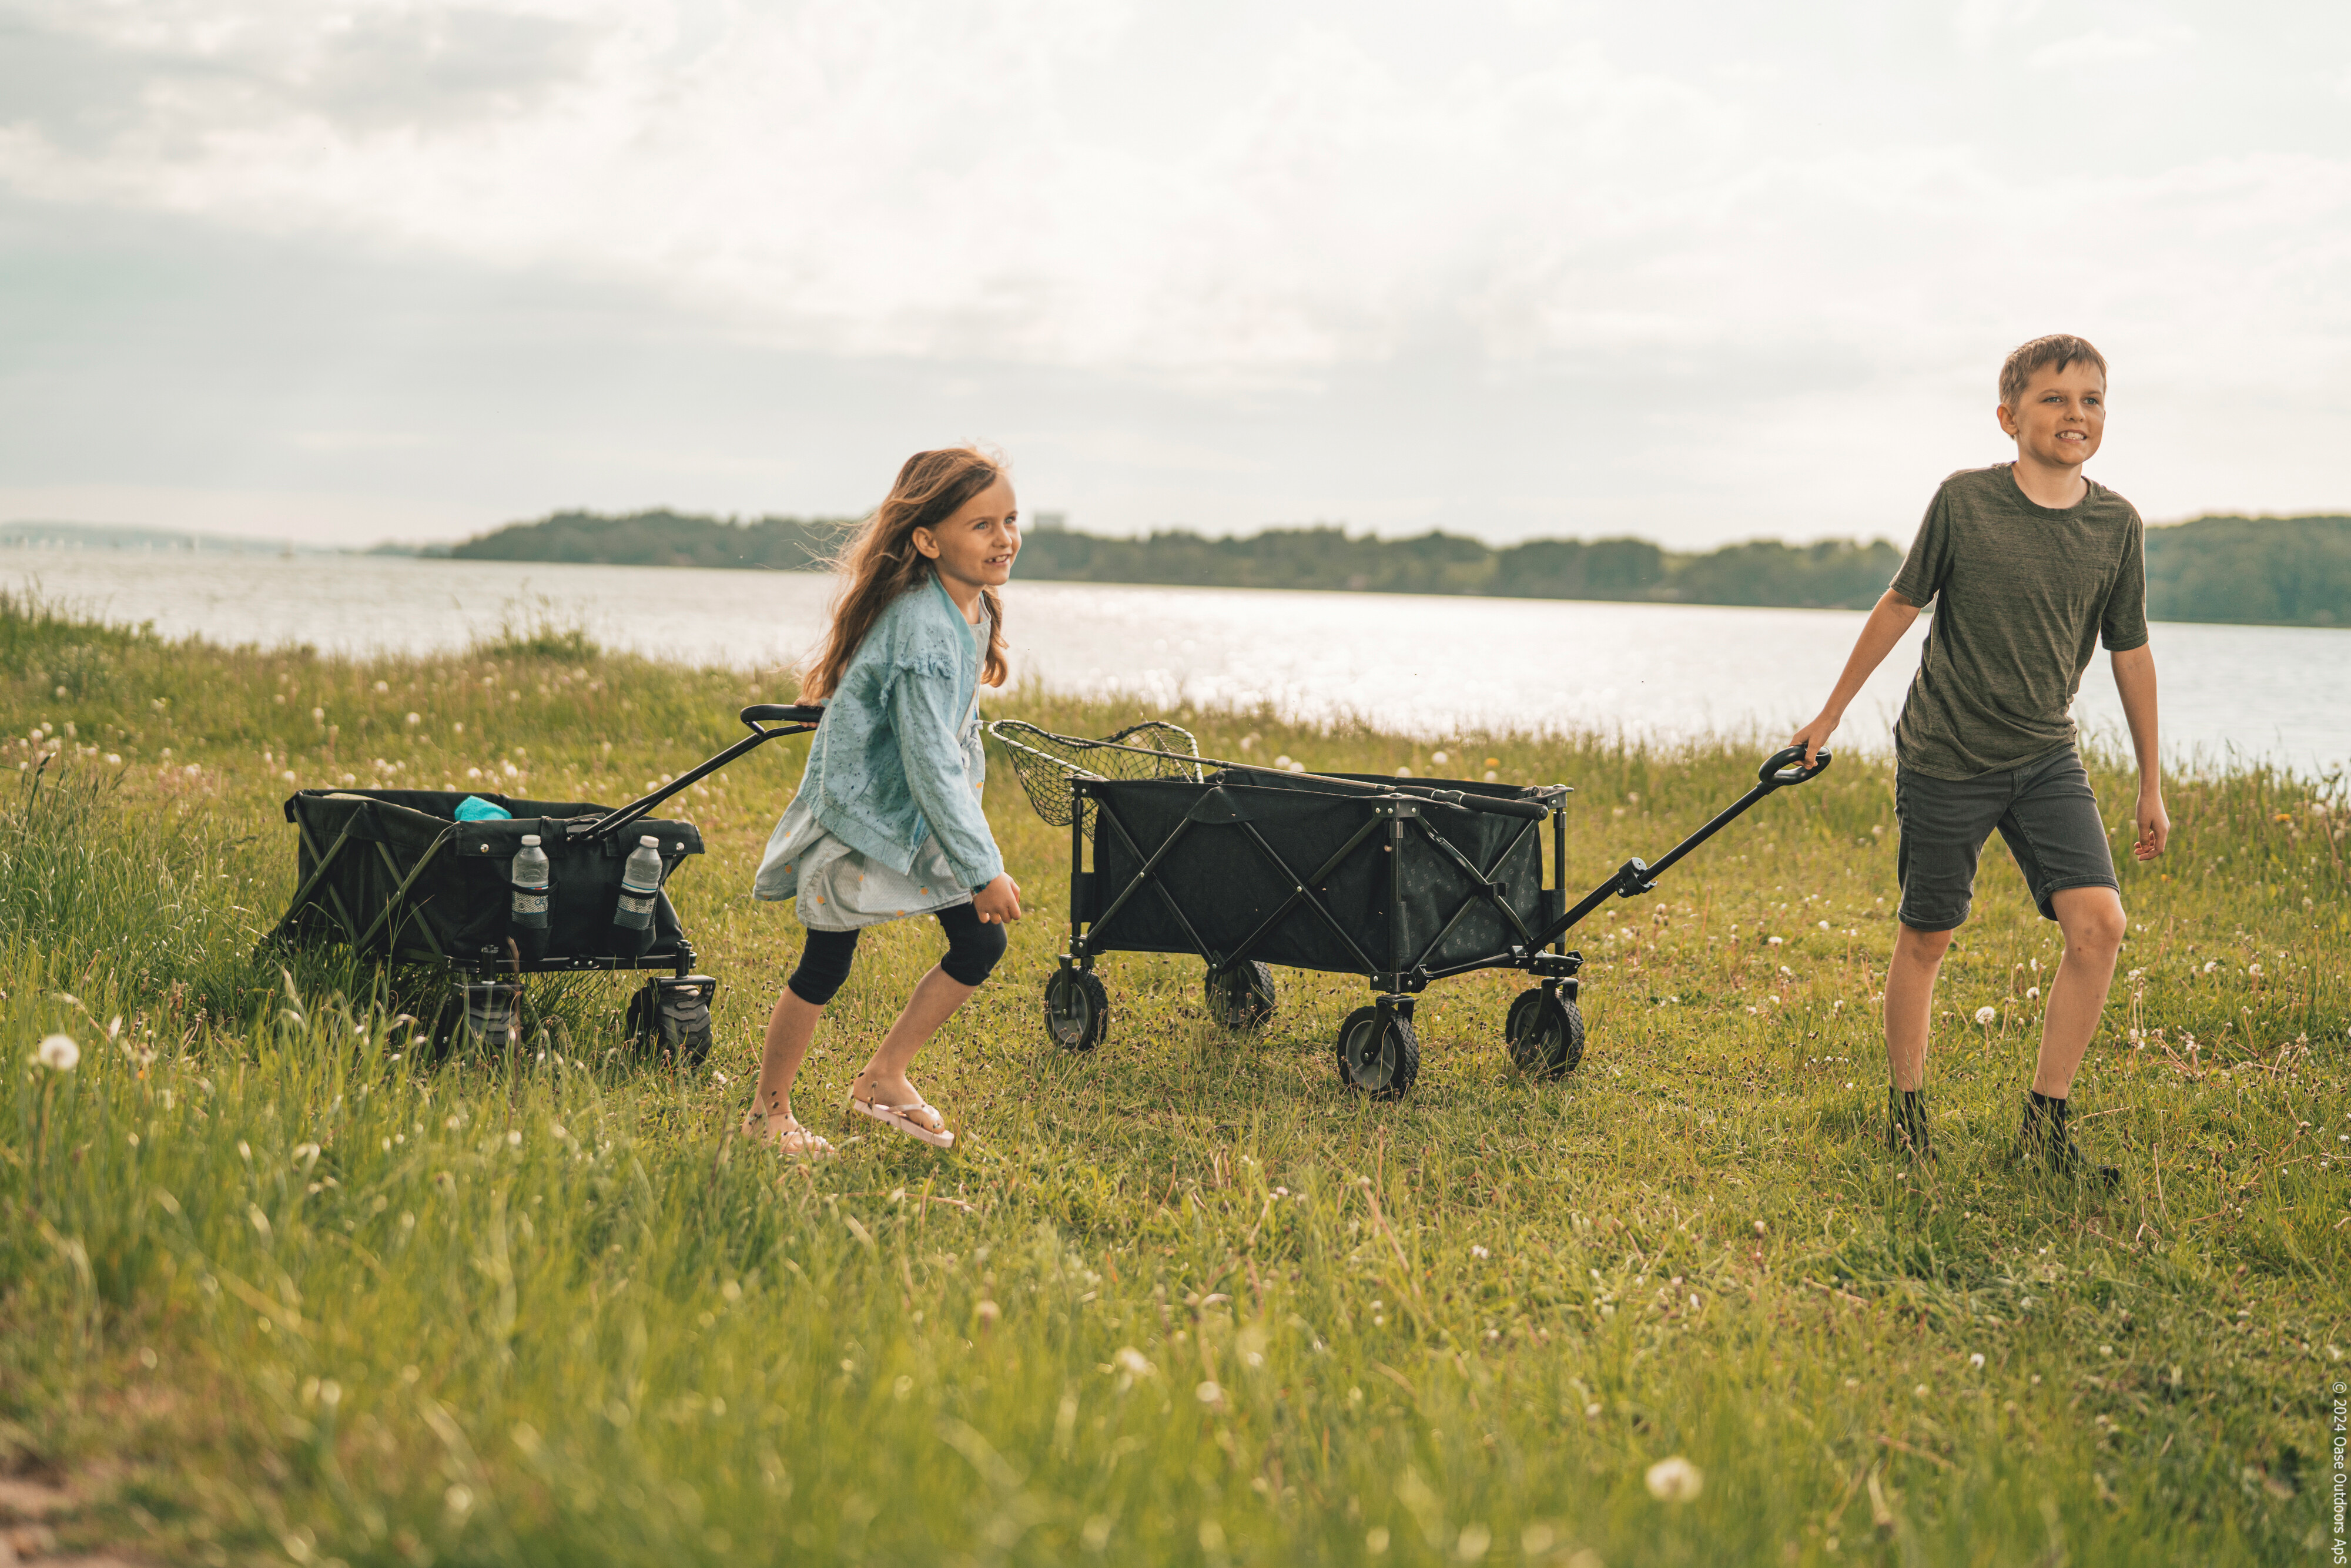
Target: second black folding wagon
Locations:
point(398, 876)
point(1403, 881)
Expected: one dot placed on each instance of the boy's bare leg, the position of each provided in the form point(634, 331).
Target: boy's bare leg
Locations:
point(2092, 919)
point(791, 1026)
point(1910, 1002)
point(884, 1078)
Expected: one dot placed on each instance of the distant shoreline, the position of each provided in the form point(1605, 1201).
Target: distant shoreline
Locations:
point(2230, 570)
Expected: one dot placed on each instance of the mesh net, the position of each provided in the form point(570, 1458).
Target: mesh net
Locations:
point(1046, 762)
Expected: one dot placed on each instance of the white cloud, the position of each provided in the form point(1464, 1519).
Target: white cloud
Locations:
point(1688, 245)
point(2098, 48)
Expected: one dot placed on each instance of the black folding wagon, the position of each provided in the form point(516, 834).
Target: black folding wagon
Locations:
point(1403, 881)
point(393, 874)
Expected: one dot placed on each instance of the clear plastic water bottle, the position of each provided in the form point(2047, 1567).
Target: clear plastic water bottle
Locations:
point(640, 885)
point(533, 881)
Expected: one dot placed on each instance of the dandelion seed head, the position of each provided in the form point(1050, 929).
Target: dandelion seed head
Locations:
point(1674, 1479)
point(58, 1052)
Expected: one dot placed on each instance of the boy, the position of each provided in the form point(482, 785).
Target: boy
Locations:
point(2028, 564)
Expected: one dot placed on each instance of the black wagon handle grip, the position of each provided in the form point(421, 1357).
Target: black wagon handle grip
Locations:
point(782, 713)
point(1777, 774)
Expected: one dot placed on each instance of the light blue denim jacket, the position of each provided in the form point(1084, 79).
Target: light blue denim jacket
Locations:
point(886, 767)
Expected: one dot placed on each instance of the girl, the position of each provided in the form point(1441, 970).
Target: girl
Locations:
point(887, 822)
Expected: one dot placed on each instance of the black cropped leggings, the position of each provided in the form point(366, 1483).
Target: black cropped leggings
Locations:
point(973, 947)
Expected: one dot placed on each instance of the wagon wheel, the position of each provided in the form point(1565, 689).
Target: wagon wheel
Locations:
point(1077, 1009)
point(444, 1029)
point(447, 1032)
point(1381, 1065)
point(1242, 995)
point(1545, 1033)
point(641, 1027)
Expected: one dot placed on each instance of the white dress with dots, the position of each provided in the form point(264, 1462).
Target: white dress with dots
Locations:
point(841, 889)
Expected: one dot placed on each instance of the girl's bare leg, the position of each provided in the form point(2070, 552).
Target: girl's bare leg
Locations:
point(791, 1026)
point(884, 1078)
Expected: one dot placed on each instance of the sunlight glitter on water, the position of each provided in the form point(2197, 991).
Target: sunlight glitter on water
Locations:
point(1430, 666)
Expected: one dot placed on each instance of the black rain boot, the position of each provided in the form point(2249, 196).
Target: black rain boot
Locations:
point(1905, 1123)
point(2045, 1141)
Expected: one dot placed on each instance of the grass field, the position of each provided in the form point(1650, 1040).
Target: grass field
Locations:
point(273, 1289)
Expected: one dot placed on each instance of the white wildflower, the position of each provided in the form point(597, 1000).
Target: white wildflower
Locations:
point(1987, 1016)
point(1675, 1480)
point(60, 1054)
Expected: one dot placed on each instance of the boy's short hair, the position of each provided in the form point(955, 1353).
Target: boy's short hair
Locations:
point(2058, 348)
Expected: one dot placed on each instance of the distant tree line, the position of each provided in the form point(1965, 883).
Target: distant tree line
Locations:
point(2272, 571)
point(2275, 570)
point(665, 538)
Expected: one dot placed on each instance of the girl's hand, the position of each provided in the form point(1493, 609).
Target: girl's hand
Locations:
point(998, 903)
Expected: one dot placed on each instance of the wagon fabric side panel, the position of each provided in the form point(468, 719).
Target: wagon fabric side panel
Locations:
point(403, 881)
point(1226, 884)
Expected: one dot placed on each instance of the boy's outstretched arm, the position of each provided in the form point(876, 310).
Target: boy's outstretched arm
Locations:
point(1886, 623)
point(2135, 679)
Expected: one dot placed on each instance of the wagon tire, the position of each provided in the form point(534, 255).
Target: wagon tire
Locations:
point(1381, 1067)
point(1545, 1033)
point(1242, 995)
point(640, 1025)
point(448, 1036)
point(444, 1030)
point(1077, 1009)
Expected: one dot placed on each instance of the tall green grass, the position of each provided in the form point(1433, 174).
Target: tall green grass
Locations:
point(274, 1288)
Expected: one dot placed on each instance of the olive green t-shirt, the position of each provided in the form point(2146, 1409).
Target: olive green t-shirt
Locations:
point(2021, 594)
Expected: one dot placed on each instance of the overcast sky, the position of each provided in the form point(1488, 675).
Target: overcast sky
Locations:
point(354, 269)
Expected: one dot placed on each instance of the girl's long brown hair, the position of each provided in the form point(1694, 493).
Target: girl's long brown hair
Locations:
point(880, 562)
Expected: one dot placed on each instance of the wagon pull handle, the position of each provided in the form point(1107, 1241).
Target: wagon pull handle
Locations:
point(1636, 876)
point(789, 720)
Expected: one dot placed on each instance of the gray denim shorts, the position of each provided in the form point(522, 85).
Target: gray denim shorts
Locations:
point(2043, 808)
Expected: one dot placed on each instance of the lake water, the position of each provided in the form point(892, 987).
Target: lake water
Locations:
point(1430, 666)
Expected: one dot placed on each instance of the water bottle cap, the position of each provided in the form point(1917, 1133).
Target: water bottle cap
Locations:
point(530, 841)
point(650, 842)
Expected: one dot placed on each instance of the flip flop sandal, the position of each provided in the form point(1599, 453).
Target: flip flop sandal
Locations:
point(795, 1141)
point(920, 1120)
